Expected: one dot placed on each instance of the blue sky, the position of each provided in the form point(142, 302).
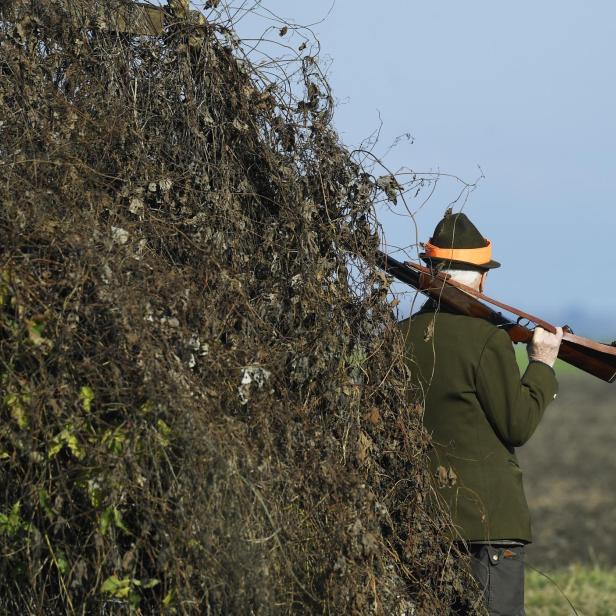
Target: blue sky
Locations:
point(526, 91)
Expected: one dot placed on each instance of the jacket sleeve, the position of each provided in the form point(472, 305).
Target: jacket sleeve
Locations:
point(512, 405)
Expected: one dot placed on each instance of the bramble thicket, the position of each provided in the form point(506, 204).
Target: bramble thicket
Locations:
point(203, 405)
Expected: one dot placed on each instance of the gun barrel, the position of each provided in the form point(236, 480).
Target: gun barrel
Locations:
point(592, 357)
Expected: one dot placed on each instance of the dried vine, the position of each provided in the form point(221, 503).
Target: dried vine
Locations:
point(203, 410)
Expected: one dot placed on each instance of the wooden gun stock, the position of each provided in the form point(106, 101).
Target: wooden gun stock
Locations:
point(587, 355)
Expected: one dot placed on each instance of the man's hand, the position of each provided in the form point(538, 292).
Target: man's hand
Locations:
point(544, 346)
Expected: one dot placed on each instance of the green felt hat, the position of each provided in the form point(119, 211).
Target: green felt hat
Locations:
point(456, 243)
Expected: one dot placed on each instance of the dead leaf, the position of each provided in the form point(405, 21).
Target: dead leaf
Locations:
point(365, 446)
point(373, 416)
point(452, 478)
point(441, 473)
point(136, 205)
point(447, 478)
point(119, 235)
point(429, 333)
point(389, 185)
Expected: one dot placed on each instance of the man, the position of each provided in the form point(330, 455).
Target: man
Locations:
point(478, 410)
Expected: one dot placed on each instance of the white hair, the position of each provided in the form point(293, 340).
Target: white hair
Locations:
point(468, 277)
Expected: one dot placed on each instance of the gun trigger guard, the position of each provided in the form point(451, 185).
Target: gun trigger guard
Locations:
point(524, 322)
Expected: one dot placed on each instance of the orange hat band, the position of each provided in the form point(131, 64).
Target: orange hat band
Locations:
point(476, 256)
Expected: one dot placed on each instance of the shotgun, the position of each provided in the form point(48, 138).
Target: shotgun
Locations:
point(592, 357)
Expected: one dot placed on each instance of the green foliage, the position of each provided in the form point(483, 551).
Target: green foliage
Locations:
point(112, 515)
point(86, 395)
point(66, 438)
point(12, 523)
point(127, 588)
point(17, 403)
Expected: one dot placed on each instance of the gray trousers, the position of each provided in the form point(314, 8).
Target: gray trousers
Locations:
point(499, 570)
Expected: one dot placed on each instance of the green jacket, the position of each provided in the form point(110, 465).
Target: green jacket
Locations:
point(477, 410)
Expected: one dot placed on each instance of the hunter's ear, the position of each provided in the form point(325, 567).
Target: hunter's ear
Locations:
point(483, 281)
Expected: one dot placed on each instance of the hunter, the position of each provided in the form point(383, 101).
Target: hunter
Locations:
point(478, 411)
